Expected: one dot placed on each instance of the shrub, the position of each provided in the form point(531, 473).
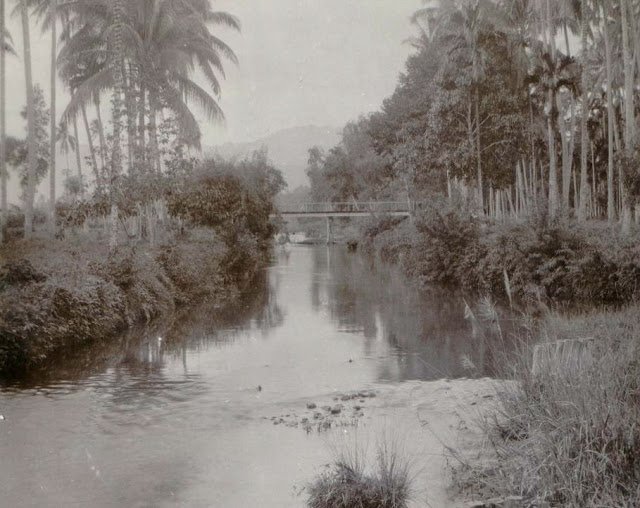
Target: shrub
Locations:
point(346, 484)
point(570, 437)
point(450, 247)
point(19, 272)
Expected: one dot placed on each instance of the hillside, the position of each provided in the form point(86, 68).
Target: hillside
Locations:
point(288, 149)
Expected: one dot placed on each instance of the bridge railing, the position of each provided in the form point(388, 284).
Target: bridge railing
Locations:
point(352, 206)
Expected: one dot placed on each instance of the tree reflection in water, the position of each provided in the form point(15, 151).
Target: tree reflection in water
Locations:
point(425, 331)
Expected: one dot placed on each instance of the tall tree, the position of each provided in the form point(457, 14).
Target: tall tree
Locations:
point(31, 136)
point(551, 141)
point(5, 47)
point(467, 27)
point(48, 11)
point(584, 116)
point(53, 137)
point(629, 113)
point(117, 60)
point(611, 208)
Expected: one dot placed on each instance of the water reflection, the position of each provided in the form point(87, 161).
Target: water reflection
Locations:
point(410, 334)
point(426, 332)
point(170, 414)
point(141, 352)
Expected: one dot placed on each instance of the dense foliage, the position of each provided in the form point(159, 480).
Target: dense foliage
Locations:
point(491, 108)
point(530, 263)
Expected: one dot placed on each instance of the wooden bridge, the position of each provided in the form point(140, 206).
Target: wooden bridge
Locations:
point(351, 209)
point(330, 211)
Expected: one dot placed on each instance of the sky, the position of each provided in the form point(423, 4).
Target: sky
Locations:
point(301, 62)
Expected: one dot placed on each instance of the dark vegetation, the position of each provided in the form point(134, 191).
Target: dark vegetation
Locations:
point(66, 292)
point(526, 262)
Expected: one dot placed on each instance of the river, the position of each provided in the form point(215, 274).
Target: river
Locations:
point(180, 414)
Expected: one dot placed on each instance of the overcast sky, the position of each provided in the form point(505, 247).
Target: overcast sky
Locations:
point(302, 62)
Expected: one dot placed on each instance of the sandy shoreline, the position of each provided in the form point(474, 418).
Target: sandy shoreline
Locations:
point(427, 420)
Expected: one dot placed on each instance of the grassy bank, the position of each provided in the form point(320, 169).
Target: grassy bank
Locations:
point(568, 436)
point(57, 294)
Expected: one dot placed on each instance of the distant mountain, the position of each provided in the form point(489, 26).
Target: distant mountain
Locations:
point(288, 149)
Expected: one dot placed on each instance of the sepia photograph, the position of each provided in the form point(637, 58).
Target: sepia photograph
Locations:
point(319, 253)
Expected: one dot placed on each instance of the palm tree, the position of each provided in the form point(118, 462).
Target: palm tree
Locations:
point(52, 149)
point(630, 127)
point(584, 117)
point(23, 10)
point(611, 209)
point(551, 120)
point(117, 63)
point(85, 62)
point(3, 155)
point(166, 42)
point(5, 47)
point(47, 11)
point(467, 27)
point(550, 75)
point(68, 143)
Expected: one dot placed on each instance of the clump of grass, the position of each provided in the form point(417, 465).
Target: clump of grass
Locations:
point(569, 437)
point(348, 482)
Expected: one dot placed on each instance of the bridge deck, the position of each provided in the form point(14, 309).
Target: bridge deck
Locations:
point(350, 209)
point(398, 213)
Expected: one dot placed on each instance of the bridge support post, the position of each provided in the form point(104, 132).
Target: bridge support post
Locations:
point(329, 231)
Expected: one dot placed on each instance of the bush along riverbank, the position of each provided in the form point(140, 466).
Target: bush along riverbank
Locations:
point(58, 294)
point(62, 293)
point(529, 263)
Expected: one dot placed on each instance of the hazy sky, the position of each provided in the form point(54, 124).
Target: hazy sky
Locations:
point(302, 62)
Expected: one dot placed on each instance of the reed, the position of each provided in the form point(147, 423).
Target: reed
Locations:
point(568, 437)
point(349, 481)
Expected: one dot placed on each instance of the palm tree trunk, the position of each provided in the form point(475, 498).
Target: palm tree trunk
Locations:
point(479, 152)
point(611, 207)
point(567, 139)
point(131, 115)
point(594, 186)
point(77, 151)
point(92, 148)
point(101, 136)
point(142, 125)
point(584, 170)
point(116, 157)
point(630, 130)
point(153, 131)
point(566, 159)
point(3, 124)
point(31, 137)
point(52, 140)
point(553, 169)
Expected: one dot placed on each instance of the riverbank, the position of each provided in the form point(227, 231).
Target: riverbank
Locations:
point(420, 424)
point(562, 434)
point(532, 262)
point(567, 434)
point(58, 294)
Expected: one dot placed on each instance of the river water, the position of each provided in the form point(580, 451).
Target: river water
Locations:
point(179, 414)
